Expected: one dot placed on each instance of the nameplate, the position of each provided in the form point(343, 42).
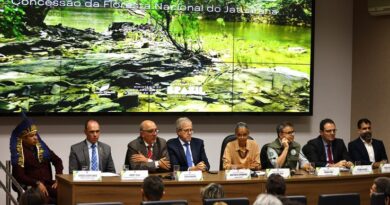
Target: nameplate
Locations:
point(190, 176)
point(385, 168)
point(87, 175)
point(328, 171)
point(284, 172)
point(135, 175)
point(362, 169)
point(237, 174)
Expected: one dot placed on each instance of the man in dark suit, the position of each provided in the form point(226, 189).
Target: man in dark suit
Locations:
point(185, 150)
point(91, 152)
point(366, 149)
point(326, 149)
point(148, 152)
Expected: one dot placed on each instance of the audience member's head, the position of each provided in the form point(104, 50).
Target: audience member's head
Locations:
point(220, 203)
point(276, 185)
point(379, 185)
point(32, 196)
point(212, 191)
point(152, 188)
point(387, 194)
point(267, 199)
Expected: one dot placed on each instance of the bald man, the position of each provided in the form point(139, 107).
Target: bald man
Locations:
point(148, 151)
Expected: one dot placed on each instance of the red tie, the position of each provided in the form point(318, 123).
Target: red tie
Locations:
point(150, 153)
point(330, 157)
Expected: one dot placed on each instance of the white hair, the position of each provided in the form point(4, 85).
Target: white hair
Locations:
point(267, 199)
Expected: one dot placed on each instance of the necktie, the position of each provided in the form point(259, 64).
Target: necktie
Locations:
point(150, 153)
point(330, 156)
point(94, 158)
point(188, 154)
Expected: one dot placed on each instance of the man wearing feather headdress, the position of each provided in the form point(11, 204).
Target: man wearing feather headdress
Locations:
point(32, 159)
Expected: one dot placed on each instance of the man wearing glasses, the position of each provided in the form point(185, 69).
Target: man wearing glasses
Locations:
point(326, 149)
point(185, 150)
point(284, 151)
point(148, 151)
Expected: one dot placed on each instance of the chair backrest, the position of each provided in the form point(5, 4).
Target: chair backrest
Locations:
point(166, 202)
point(101, 203)
point(377, 198)
point(298, 198)
point(339, 199)
point(223, 146)
point(265, 163)
point(229, 201)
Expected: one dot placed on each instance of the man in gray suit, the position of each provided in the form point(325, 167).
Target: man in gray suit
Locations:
point(148, 152)
point(91, 153)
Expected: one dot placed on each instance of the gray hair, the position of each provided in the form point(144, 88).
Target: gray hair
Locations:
point(180, 121)
point(212, 191)
point(241, 125)
point(281, 126)
point(267, 199)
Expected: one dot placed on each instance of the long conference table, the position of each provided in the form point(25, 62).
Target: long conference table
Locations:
point(112, 189)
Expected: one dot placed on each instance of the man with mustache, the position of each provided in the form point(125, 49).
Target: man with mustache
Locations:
point(366, 149)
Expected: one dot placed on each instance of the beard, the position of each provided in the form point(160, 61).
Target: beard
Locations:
point(367, 136)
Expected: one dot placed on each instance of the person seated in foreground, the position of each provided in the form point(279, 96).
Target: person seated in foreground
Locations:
point(212, 191)
point(267, 199)
point(276, 185)
point(387, 195)
point(242, 153)
point(379, 185)
point(152, 188)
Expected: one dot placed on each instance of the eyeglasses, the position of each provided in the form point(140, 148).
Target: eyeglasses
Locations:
point(331, 131)
point(289, 133)
point(190, 131)
point(151, 131)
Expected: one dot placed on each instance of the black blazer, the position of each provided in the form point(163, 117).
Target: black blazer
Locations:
point(315, 151)
point(178, 157)
point(358, 151)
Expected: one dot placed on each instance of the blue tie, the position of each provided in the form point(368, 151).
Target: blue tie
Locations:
point(94, 158)
point(188, 155)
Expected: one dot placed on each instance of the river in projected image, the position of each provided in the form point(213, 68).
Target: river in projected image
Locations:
point(83, 62)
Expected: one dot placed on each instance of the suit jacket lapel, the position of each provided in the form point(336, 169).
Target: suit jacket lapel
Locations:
point(363, 149)
point(322, 150)
point(86, 153)
point(143, 148)
point(194, 152)
point(101, 156)
point(181, 150)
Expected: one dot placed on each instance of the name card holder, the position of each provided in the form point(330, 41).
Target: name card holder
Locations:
point(362, 169)
point(284, 172)
point(190, 175)
point(385, 168)
point(233, 174)
point(135, 175)
point(328, 171)
point(87, 175)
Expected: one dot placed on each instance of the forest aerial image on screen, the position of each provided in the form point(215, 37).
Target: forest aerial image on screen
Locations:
point(156, 56)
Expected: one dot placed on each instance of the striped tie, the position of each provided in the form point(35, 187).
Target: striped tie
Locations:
point(94, 158)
